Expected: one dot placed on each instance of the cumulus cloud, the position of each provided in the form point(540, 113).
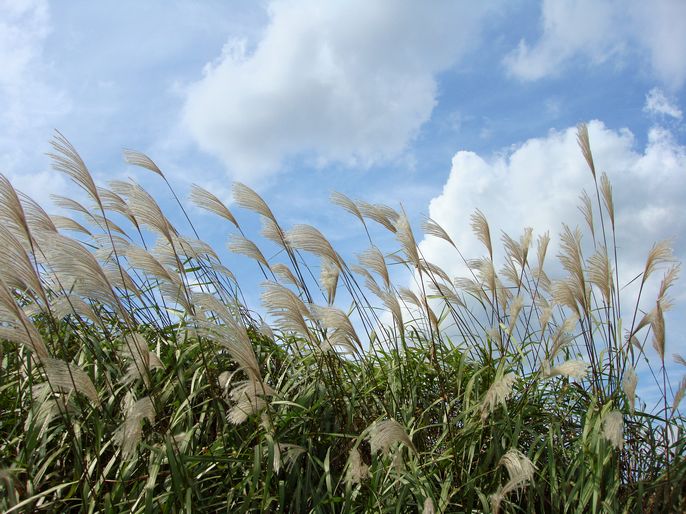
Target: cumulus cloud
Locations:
point(658, 104)
point(348, 82)
point(599, 30)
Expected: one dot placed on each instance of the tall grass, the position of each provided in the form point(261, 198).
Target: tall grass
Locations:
point(135, 378)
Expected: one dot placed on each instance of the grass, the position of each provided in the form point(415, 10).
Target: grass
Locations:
point(136, 379)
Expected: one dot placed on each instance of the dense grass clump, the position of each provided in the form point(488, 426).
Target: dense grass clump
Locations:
point(134, 377)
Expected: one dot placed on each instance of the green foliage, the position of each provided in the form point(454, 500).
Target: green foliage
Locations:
point(505, 391)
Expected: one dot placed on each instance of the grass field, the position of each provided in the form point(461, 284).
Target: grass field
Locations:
point(135, 378)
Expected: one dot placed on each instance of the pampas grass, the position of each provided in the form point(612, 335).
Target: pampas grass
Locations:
point(135, 376)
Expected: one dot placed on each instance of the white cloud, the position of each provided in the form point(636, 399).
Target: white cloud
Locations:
point(350, 82)
point(598, 30)
point(28, 103)
point(658, 104)
point(538, 183)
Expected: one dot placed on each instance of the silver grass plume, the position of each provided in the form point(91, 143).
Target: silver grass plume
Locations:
point(16, 268)
point(66, 223)
point(384, 434)
point(143, 161)
point(520, 470)
point(606, 191)
point(346, 203)
point(284, 273)
point(328, 278)
point(68, 304)
point(497, 394)
point(657, 325)
point(570, 368)
point(64, 377)
point(16, 326)
point(600, 273)
point(234, 338)
point(309, 239)
point(76, 265)
point(586, 209)
point(660, 253)
point(68, 161)
point(142, 360)
point(206, 200)
point(335, 319)
point(613, 428)
point(482, 230)
point(432, 228)
point(287, 309)
point(356, 470)
point(585, 145)
point(12, 212)
point(382, 214)
point(679, 395)
point(129, 433)
point(374, 260)
point(249, 199)
point(146, 262)
point(249, 398)
point(240, 245)
point(629, 383)
point(405, 236)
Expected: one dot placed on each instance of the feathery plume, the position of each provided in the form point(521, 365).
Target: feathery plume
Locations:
point(16, 268)
point(64, 377)
point(143, 161)
point(16, 326)
point(346, 203)
point(606, 191)
point(586, 209)
point(68, 161)
point(382, 214)
point(143, 361)
point(357, 470)
point(404, 235)
point(65, 223)
point(428, 507)
point(585, 145)
point(660, 253)
point(482, 230)
point(373, 259)
point(284, 273)
point(288, 310)
point(148, 212)
point(629, 382)
point(613, 428)
point(520, 470)
point(249, 199)
point(144, 261)
point(600, 273)
point(432, 228)
point(249, 398)
point(679, 395)
point(499, 391)
point(515, 308)
point(240, 245)
point(65, 305)
point(657, 324)
point(309, 239)
point(337, 320)
point(206, 200)
point(571, 368)
point(328, 278)
point(384, 434)
point(129, 433)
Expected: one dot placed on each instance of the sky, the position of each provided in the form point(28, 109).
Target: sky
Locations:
point(434, 107)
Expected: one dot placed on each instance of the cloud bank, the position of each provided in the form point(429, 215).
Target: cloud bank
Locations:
point(602, 31)
point(349, 82)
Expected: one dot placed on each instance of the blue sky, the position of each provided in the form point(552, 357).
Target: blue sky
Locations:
point(440, 107)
